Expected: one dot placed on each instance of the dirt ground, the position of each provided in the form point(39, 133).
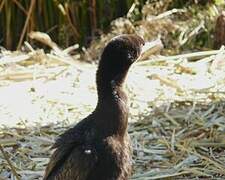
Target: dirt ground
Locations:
point(177, 121)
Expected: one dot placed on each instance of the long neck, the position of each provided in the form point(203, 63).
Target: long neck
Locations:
point(107, 84)
point(112, 100)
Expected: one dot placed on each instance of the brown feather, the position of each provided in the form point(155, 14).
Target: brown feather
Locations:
point(98, 147)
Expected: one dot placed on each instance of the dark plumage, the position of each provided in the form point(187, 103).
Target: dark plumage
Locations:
point(98, 147)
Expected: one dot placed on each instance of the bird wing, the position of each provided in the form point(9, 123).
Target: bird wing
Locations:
point(69, 161)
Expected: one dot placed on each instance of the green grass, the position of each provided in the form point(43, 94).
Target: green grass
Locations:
point(66, 21)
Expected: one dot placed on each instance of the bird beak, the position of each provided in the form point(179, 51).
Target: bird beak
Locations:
point(150, 48)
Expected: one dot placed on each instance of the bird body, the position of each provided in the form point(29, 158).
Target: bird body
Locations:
point(88, 151)
point(98, 147)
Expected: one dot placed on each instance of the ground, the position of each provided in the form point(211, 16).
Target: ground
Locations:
point(177, 117)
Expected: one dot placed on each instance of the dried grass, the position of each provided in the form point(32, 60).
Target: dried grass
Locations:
point(181, 30)
point(177, 116)
point(177, 121)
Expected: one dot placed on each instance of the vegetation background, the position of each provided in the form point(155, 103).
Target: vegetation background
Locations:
point(80, 21)
point(66, 21)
